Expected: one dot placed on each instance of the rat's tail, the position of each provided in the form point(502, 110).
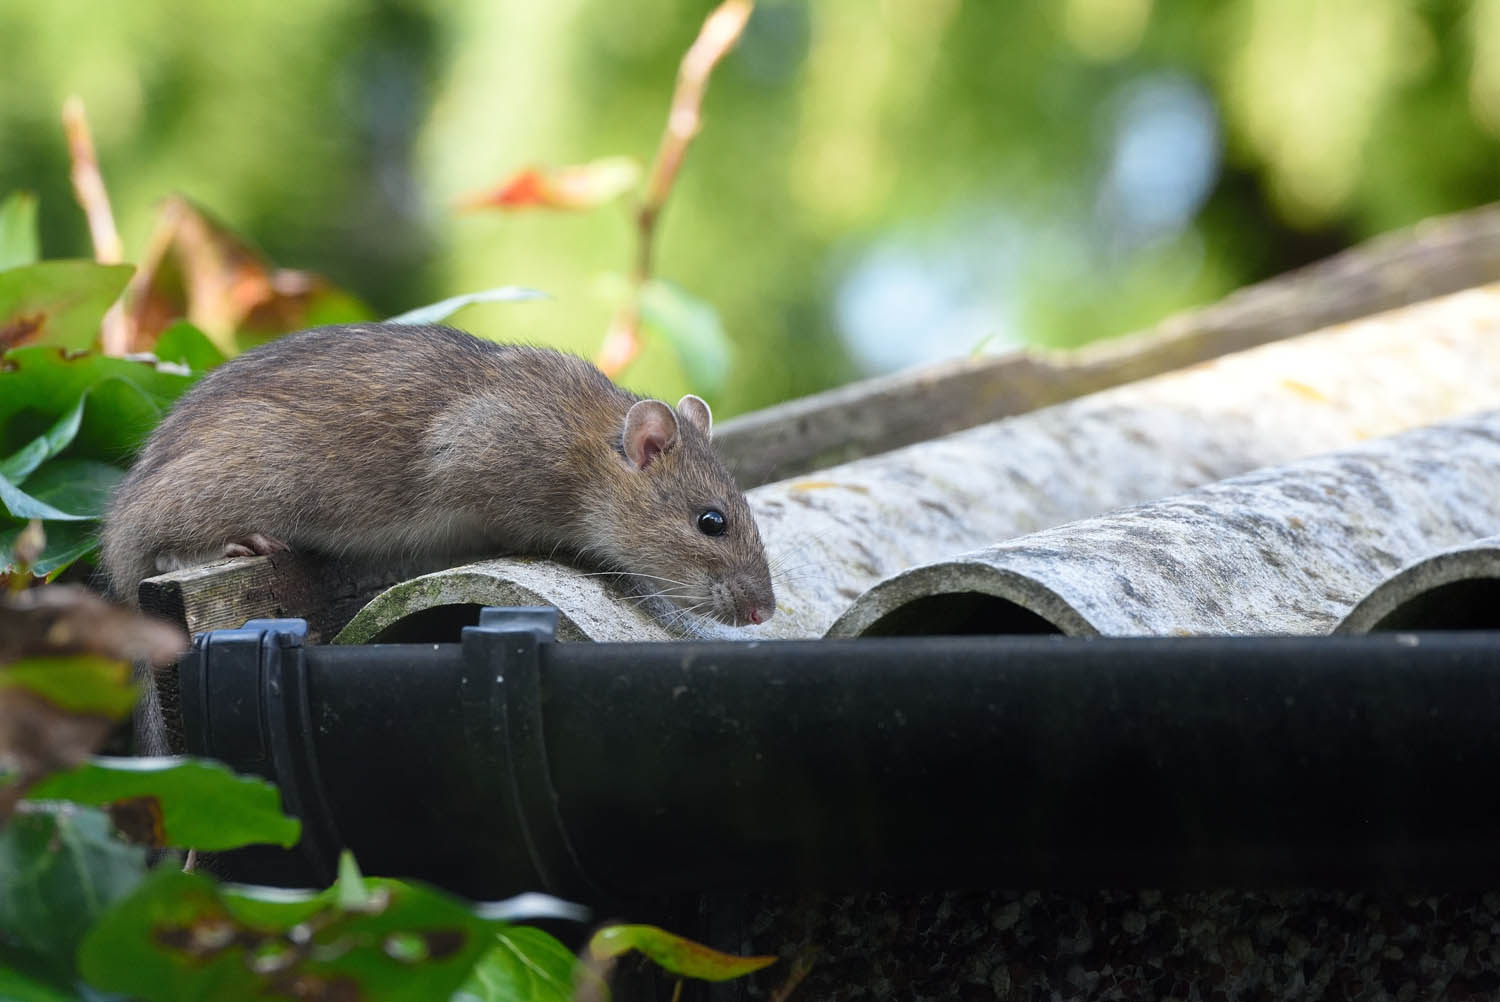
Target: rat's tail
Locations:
point(127, 559)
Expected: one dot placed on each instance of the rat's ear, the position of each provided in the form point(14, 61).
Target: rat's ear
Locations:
point(697, 412)
point(650, 430)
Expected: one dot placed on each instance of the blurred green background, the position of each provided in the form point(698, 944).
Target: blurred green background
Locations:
point(878, 182)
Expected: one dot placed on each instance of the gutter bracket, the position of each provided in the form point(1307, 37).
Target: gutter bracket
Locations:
point(501, 696)
point(249, 689)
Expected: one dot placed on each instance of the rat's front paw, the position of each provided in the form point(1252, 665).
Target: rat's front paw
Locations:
point(254, 545)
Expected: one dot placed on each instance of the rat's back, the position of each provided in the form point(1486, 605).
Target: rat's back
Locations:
point(315, 439)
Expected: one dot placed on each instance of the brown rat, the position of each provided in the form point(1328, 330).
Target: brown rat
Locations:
point(414, 442)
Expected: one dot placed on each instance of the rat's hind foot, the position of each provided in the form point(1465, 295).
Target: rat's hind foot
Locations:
point(254, 545)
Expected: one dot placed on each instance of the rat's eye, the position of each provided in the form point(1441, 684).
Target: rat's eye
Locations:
point(712, 522)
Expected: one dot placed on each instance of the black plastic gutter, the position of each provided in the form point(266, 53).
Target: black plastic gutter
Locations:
point(605, 771)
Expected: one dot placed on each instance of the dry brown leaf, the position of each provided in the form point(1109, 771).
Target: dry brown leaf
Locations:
point(194, 266)
point(67, 619)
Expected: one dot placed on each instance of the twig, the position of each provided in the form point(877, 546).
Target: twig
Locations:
point(88, 187)
point(26, 551)
point(801, 965)
point(720, 32)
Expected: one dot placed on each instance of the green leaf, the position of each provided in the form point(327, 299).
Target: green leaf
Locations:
point(58, 302)
point(62, 869)
point(22, 505)
point(118, 418)
point(23, 980)
point(78, 683)
point(79, 485)
point(352, 893)
point(19, 464)
point(80, 489)
point(675, 954)
point(185, 344)
point(18, 234)
point(442, 310)
point(196, 803)
point(126, 399)
point(693, 329)
point(42, 378)
point(524, 965)
point(67, 490)
point(182, 938)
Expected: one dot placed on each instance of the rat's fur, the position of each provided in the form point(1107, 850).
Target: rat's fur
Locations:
point(394, 443)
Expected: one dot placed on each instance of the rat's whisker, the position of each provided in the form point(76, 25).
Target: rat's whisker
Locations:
point(681, 613)
point(670, 597)
point(785, 583)
point(635, 574)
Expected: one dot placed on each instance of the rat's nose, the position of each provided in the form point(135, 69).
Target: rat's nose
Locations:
point(757, 615)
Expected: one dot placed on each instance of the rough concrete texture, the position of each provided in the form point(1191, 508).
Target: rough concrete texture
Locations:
point(1284, 550)
point(1458, 588)
point(1136, 946)
point(841, 531)
point(589, 606)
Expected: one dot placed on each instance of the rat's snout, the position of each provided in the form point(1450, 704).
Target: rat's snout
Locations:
point(756, 614)
point(754, 606)
point(741, 603)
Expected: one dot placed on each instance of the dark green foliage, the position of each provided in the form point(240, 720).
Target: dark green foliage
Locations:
point(182, 937)
point(60, 870)
point(524, 965)
point(69, 425)
point(187, 803)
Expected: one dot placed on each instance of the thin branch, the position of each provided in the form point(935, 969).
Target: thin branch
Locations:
point(720, 31)
point(802, 965)
point(88, 187)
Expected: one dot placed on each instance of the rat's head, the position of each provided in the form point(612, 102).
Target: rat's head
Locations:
point(678, 520)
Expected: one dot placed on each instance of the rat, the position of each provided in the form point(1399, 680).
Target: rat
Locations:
point(394, 442)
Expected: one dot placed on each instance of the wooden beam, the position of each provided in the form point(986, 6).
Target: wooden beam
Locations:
point(327, 593)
